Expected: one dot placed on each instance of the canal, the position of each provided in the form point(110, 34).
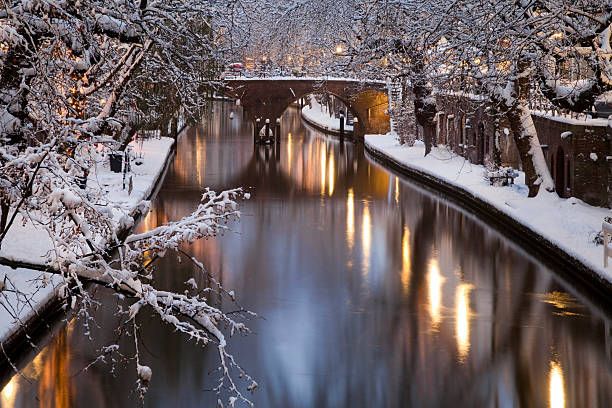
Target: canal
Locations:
point(371, 292)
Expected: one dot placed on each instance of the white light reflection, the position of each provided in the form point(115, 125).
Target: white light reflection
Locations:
point(8, 394)
point(556, 386)
point(331, 174)
point(463, 319)
point(350, 219)
point(406, 271)
point(289, 142)
point(366, 237)
point(396, 190)
point(323, 169)
point(434, 283)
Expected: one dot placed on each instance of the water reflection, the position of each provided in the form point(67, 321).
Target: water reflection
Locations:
point(462, 309)
point(331, 174)
point(8, 394)
point(434, 283)
point(469, 320)
point(406, 272)
point(366, 239)
point(350, 219)
point(556, 387)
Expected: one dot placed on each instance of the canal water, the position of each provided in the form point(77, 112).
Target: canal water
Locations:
point(371, 292)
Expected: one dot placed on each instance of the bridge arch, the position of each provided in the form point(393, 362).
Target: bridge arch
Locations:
point(267, 98)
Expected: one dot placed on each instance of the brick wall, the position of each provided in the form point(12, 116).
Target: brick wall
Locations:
point(577, 161)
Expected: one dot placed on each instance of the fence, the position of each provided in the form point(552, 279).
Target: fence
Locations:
point(607, 234)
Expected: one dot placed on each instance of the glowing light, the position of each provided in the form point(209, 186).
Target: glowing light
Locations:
point(289, 142)
point(350, 219)
point(463, 319)
point(8, 393)
point(434, 283)
point(397, 190)
point(339, 49)
point(556, 386)
point(366, 237)
point(331, 175)
point(557, 36)
point(406, 271)
point(323, 169)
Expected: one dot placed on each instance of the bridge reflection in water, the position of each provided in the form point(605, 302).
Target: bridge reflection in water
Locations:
point(374, 293)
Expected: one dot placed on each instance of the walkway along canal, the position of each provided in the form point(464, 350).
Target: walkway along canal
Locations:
point(372, 292)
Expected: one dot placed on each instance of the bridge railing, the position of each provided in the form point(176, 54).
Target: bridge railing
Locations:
point(297, 76)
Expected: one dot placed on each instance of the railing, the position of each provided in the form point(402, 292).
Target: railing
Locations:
point(538, 103)
point(302, 75)
point(607, 234)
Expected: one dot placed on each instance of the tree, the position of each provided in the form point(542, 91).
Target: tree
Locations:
point(404, 37)
point(68, 71)
point(504, 47)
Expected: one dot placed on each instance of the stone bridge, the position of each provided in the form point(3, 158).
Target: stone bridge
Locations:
point(268, 98)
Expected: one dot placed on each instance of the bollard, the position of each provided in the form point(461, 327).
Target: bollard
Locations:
point(277, 131)
point(255, 130)
point(267, 131)
point(341, 126)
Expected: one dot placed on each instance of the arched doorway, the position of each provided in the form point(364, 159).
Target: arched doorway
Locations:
point(560, 172)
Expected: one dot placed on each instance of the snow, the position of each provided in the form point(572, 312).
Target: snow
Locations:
point(605, 40)
point(571, 121)
point(31, 244)
point(593, 156)
point(144, 373)
point(565, 134)
point(319, 115)
point(304, 78)
point(569, 223)
point(26, 291)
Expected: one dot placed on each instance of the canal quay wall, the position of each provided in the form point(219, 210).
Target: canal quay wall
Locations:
point(559, 232)
point(25, 247)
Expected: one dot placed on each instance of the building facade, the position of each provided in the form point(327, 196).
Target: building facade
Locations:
point(578, 151)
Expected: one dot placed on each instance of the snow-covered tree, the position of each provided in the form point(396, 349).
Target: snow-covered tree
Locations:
point(403, 37)
point(502, 47)
point(72, 75)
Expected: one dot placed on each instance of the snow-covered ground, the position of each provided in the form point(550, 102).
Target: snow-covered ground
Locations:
point(319, 115)
point(25, 293)
point(29, 244)
point(569, 223)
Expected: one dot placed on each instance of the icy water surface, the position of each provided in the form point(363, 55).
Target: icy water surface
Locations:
point(372, 292)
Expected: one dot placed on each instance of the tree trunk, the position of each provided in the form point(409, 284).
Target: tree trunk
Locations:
point(526, 138)
point(4, 210)
point(425, 108)
point(524, 132)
